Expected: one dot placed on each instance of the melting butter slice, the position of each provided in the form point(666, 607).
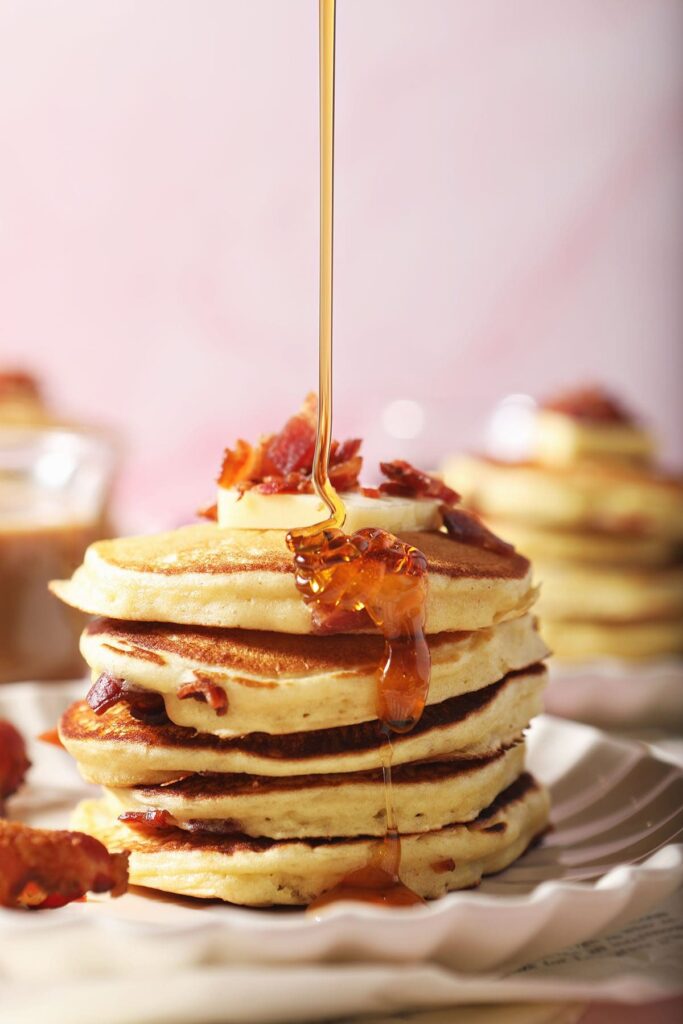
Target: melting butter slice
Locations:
point(254, 511)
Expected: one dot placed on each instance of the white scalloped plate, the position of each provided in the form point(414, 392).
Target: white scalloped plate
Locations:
point(618, 694)
point(611, 856)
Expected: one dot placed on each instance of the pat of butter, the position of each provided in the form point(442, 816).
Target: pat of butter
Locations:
point(254, 511)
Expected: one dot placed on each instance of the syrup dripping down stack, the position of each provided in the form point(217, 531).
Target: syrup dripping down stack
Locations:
point(238, 739)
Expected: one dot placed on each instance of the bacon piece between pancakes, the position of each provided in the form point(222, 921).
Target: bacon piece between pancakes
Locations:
point(40, 868)
point(154, 822)
point(406, 481)
point(203, 688)
point(149, 822)
point(144, 705)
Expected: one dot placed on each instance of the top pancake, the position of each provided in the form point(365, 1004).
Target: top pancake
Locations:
point(207, 576)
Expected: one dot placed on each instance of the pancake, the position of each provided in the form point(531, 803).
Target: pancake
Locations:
point(263, 872)
point(207, 576)
point(580, 640)
point(573, 591)
point(117, 750)
point(426, 797)
point(278, 683)
point(561, 439)
point(586, 495)
point(610, 549)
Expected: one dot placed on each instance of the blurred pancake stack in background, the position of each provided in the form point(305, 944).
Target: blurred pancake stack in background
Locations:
point(239, 738)
point(54, 486)
point(602, 522)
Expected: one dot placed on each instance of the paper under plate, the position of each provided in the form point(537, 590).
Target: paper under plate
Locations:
point(618, 694)
point(611, 857)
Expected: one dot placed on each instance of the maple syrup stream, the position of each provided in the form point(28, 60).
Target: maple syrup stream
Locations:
point(370, 572)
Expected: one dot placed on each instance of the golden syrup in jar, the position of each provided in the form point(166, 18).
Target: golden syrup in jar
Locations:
point(370, 575)
point(38, 634)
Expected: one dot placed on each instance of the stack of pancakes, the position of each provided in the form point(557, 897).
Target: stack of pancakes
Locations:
point(246, 753)
point(602, 523)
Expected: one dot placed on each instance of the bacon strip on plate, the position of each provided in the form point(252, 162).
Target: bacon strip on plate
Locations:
point(44, 869)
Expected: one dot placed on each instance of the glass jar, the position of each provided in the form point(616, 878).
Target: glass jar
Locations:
point(54, 490)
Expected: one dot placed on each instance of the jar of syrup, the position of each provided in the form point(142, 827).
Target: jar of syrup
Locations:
point(54, 489)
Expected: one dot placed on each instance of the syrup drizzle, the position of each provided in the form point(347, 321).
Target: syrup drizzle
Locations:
point(321, 479)
point(369, 572)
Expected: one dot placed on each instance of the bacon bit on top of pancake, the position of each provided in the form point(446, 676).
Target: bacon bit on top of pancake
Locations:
point(282, 463)
point(467, 528)
point(406, 481)
point(44, 869)
point(209, 512)
point(592, 404)
point(13, 761)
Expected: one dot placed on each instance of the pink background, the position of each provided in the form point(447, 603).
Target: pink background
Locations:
point(509, 216)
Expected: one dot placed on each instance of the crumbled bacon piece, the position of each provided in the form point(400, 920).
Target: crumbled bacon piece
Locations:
point(40, 868)
point(153, 822)
point(209, 512)
point(344, 473)
point(468, 528)
point(283, 463)
point(13, 761)
point(592, 404)
point(52, 737)
point(293, 448)
point(292, 483)
point(105, 693)
point(205, 689)
point(149, 822)
point(17, 382)
point(144, 705)
point(240, 464)
point(406, 481)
